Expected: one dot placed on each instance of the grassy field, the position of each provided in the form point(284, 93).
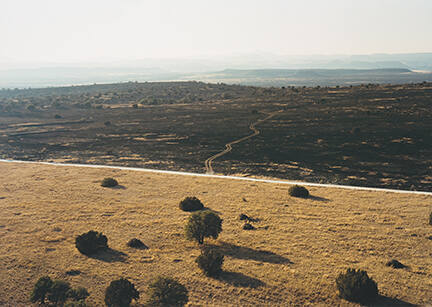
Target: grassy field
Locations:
point(291, 259)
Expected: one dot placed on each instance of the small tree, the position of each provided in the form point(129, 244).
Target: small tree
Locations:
point(120, 293)
point(202, 225)
point(167, 292)
point(58, 292)
point(356, 286)
point(210, 262)
point(41, 289)
point(90, 242)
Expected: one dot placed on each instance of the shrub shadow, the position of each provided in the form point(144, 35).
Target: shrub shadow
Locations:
point(240, 280)
point(384, 301)
point(110, 255)
point(247, 253)
point(318, 198)
point(119, 187)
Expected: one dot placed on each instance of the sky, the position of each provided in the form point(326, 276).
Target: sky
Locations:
point(63, 31)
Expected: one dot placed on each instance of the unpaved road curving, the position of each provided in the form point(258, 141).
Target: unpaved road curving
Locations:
point(228, 146)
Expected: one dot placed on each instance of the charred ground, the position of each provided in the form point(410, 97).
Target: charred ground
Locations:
point(369, 135)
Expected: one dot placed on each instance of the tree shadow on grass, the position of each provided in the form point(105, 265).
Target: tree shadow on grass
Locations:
point(318, 198)
point(384, 301)
point(109, 255)
point(240, 280)
point(247, 253)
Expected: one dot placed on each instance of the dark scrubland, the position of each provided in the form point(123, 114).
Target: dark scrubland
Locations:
point(367, 135)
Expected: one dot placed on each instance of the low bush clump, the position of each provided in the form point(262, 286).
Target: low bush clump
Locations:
point(109, 182)
point(91, 242)
point(58, 292)
point(191, 204)
point(298, 191)
point(203, 224)
point(120, 293)
point(210, 262)
point(167, 292)
point(395, 264)
point(136, 243)
point(356, 286)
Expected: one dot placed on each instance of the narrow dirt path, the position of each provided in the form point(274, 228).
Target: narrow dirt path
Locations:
point(228, 146)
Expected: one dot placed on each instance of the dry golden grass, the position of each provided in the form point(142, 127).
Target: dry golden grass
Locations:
point(293, 257)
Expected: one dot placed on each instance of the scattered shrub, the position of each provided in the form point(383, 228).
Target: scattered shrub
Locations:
point(202, 225)
point(120, 293)
point(210, 262)
point(109, 182)
point(58, 292)
point(90, 242)
point(78, 294)
point(167, 292)
point(395, 264)
point(248, 226)
point(41, 289)
point(243, 217)
point(356, 286)
point(191, 204)
point(298, 191)
point(136, 243)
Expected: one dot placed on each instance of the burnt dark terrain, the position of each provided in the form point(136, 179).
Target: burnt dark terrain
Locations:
point(367, 135)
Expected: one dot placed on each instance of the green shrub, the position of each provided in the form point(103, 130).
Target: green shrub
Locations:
point(298, 191)
point(356, 286)
point(90, 242)
point(78, 294)
point(41, 289)
point(58, 292)
point(120, 293)
point(109, 182)
point(136, 243)
point(191, 204)
point(210, 262)
point(202, 225)
point(167, 292)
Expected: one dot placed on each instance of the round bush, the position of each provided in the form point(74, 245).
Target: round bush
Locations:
point(167, 292)
point(91, 242)
point(41, 289)
point(298, 191)
point(109, 182)
point(203, 224)
point(120, 293)
point(356, 286)
point(191, 204)
point(210, 262)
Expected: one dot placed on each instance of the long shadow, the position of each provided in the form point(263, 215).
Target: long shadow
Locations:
point(110, 255)
point(247, 253)
point(384, 301)
point(240, 280)
point(119, 187)
point(318, 198)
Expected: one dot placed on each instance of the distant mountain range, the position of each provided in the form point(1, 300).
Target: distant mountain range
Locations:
point(258, 69)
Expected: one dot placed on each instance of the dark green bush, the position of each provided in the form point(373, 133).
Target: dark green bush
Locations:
point(166, 292)
point(357, 286)
point(191, 204)
point(41, 289)
point(210, 262)
point(298, 191)
point(120, 293)
point(90, 242)
point(58, 292)
point(136, 243)
point(78, 294)
point(203, 224)
point(109, 182)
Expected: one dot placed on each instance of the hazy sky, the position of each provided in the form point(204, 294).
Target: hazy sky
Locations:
point(88, 30)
